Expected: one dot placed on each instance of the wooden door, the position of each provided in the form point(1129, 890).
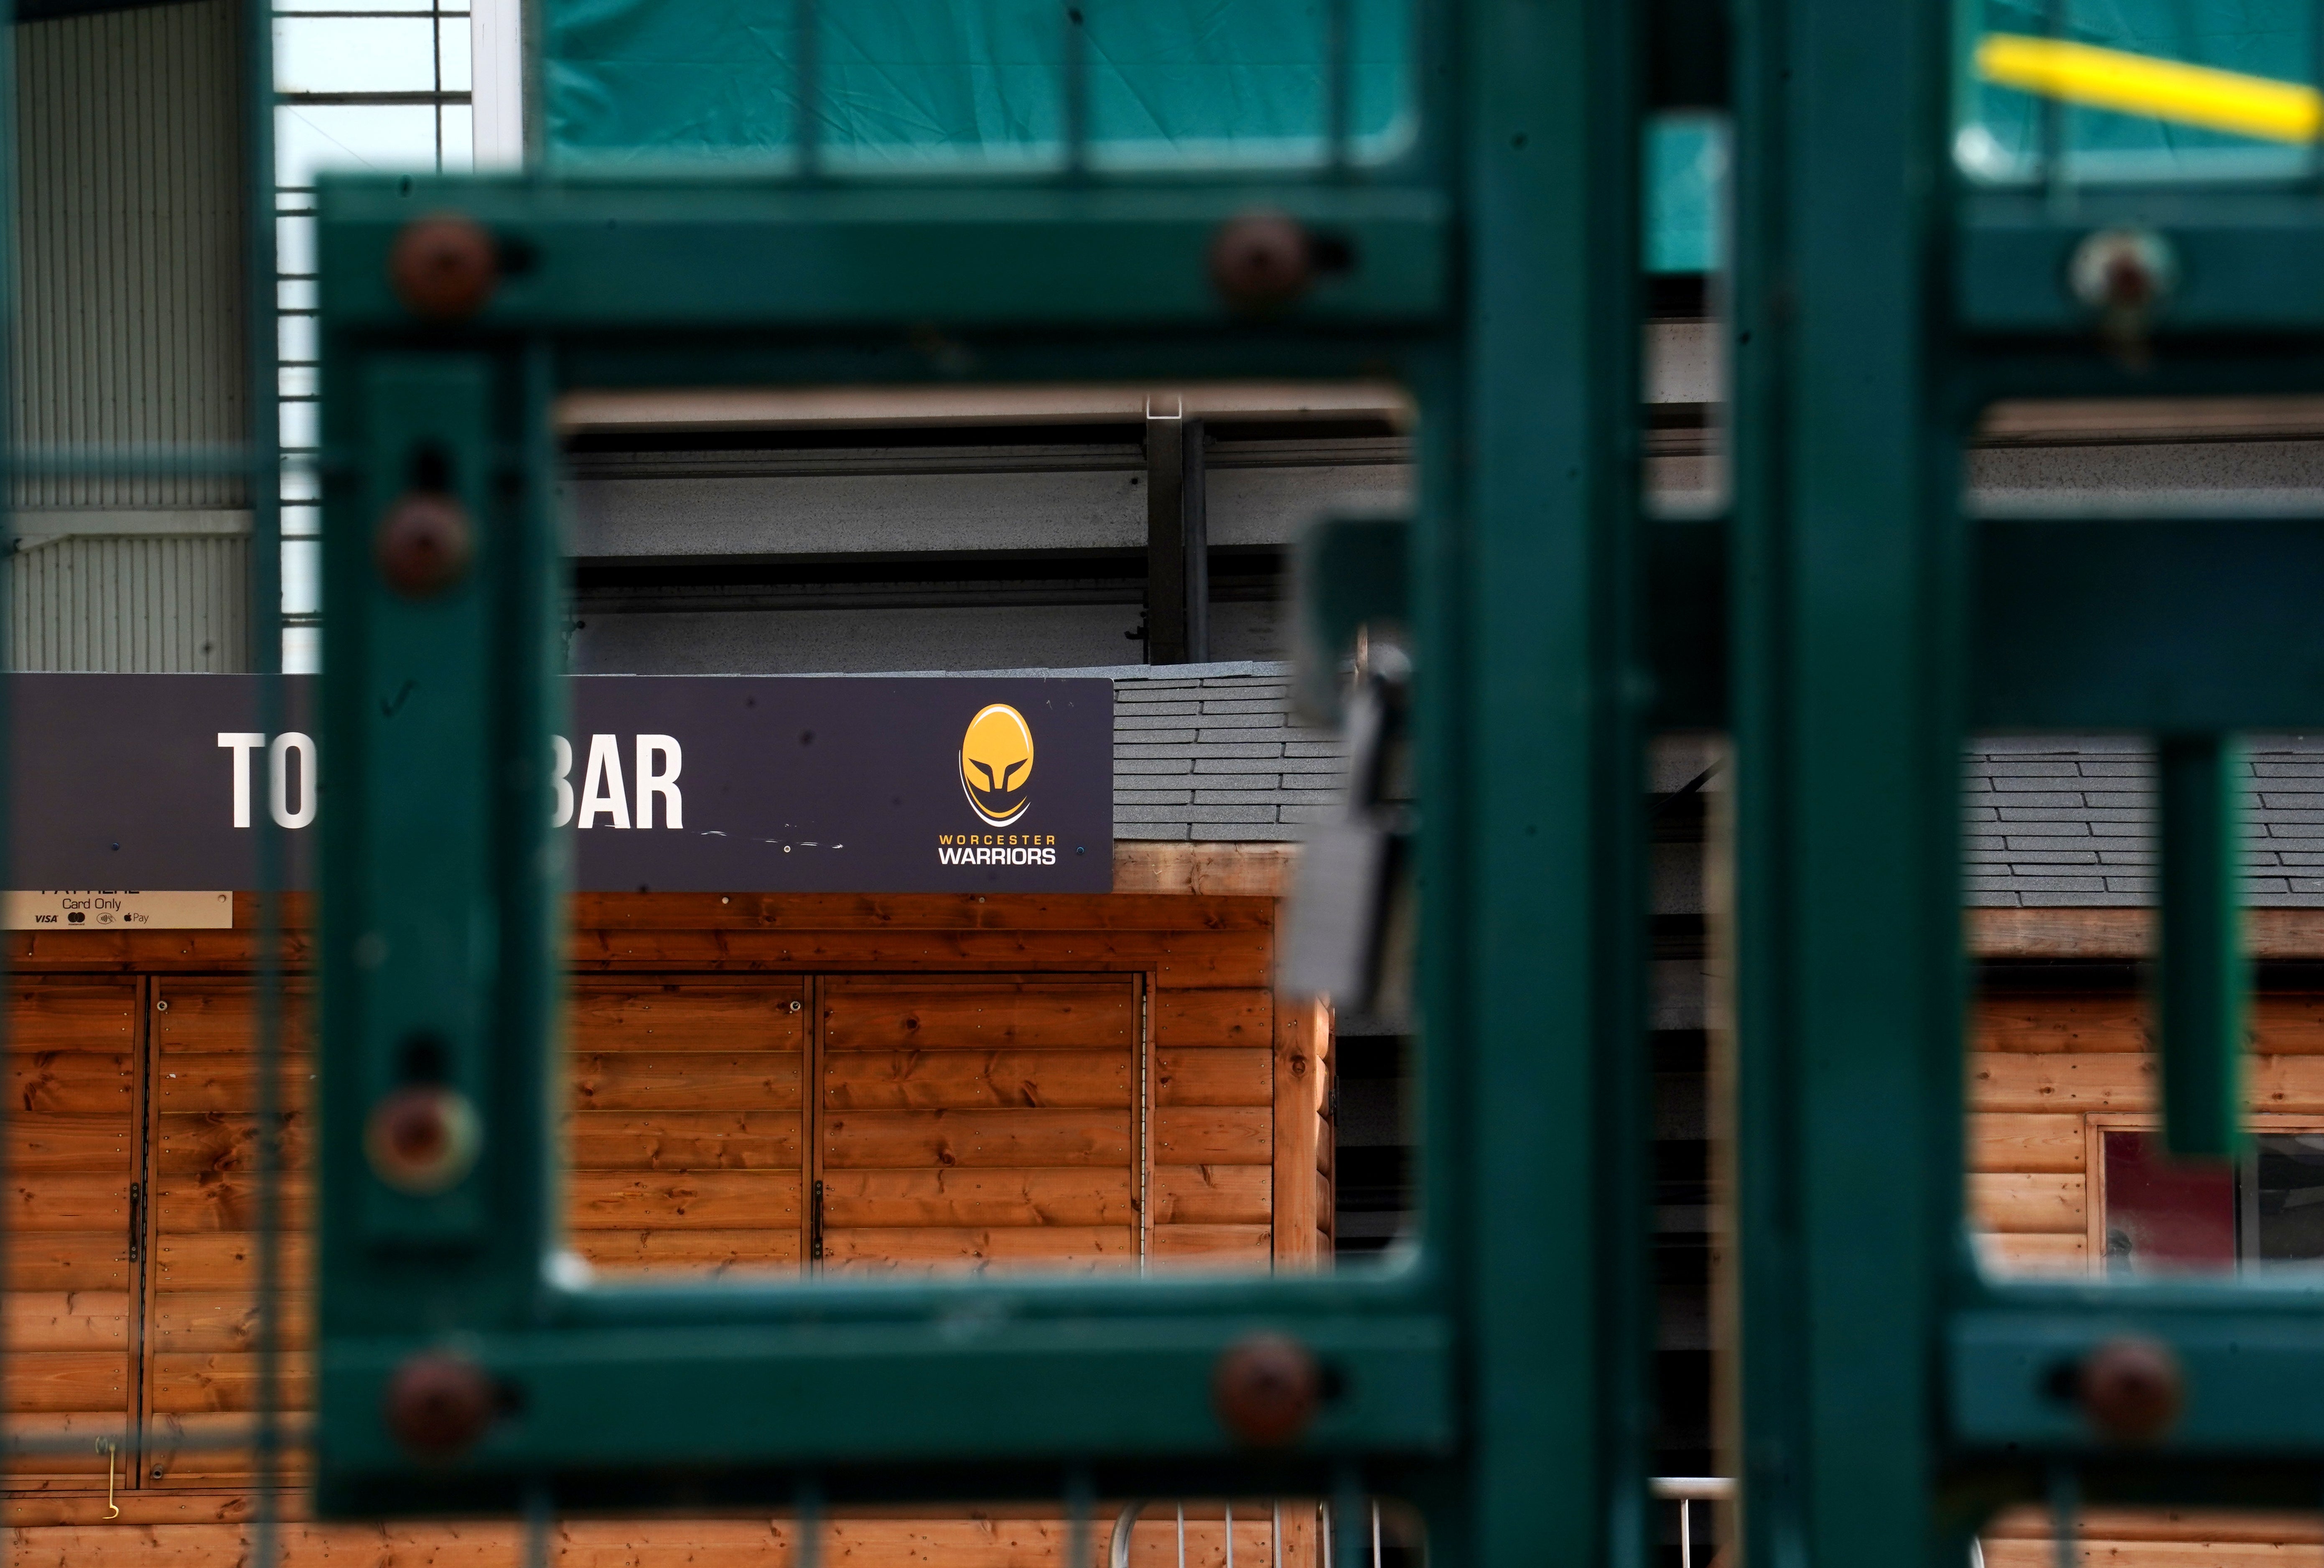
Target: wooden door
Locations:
point(984, 1121)
point(73, 1152)
point(684, 1141)
point(201, 1363)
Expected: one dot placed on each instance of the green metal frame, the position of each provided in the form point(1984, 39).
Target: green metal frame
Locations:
point(1892, 1395)
point(1497, 1376)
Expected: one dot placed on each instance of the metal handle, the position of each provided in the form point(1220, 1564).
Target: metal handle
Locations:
point(2202, 977)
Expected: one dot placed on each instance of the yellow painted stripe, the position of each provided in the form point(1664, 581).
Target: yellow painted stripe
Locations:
point(2162, 89)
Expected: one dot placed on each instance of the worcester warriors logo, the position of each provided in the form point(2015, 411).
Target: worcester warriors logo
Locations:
point(996, 764)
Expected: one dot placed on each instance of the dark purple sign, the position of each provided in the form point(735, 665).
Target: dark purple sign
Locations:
point(677, 783)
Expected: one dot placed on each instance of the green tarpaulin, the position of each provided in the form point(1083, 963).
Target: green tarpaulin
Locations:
point(923, 85)
point(911, 85)
point(2000, 130)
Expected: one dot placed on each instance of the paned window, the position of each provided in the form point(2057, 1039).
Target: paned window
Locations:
point(2164, 1216)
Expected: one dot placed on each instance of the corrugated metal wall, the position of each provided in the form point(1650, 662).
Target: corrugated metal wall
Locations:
point(130, 604)
point(129, 335)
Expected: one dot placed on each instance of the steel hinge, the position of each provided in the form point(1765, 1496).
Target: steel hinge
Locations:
point(815, 1224)
point(136, 1221)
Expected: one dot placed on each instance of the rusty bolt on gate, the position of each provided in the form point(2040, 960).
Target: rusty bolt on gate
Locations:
point(424, 544)
point(2131, 1388)
point(422, 1138)
point(444, 267)
point(1265, 1389)
point(1262, 261)
point(439, 1404)
point(2124, 274)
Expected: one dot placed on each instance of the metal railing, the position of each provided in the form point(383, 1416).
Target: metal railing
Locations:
point(1687, 1491)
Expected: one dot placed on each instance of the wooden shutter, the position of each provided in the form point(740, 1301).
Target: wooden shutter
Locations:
point(73, 1152)
point(200, 1359)
point(684, 1142)
point(983, 1122)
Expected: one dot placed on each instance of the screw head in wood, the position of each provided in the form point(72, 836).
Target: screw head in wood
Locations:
point(1265, 1389)
point(422, 1138)
point(1262, 261)
point(2131, 1388)
point(424, 544)
point(439, 1404)
point(444, 267)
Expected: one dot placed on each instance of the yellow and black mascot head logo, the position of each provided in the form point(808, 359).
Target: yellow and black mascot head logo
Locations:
point(996, 763)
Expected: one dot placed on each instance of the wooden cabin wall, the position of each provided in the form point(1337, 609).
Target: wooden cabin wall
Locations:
point(2052, 1064)
point(993, 1081)
point(73, 1155)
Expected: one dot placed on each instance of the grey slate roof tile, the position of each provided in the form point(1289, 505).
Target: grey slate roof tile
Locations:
point(1197, 750)
point(2050, 821)
point(1234, 766)
point(1130, 813)
point(1213, 720)
point(2113, 813)
point(1203, 814)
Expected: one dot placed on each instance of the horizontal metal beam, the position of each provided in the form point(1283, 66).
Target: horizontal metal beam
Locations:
point(2247, 263)
point(1080, 1390)
point(2131, 624)
point(736, 256)
point(2252, 1373)
point(2189, 624)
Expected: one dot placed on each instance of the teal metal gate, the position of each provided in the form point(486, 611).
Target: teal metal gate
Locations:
point(1896, 276)
point(1498, 1377)
point(1893, 1394)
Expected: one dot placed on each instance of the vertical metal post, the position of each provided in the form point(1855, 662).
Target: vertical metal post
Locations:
point(8, 430)
point(2052, 110)
point(807, 84)
point(1529, 728)
point(808, 1554)
point(1076, 105)
point(540, 1519)
point(262, 341)
point(1081, 1503)
point(2065, 1516)
point(262, 337)
point(1338, 82)
point(2202, 979)
point(1848, 621)
point(1177, 541)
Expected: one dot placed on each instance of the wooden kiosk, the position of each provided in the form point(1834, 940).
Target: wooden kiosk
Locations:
point(759, 1082)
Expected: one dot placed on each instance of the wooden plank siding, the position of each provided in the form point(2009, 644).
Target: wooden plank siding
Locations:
point(2049, 1069)
point(2049, 1066)
point(985, 1122)
point(1214, 1140)
point(684, 1142)
point(994, 1083)
point(74, 1151)
point(200, 1369)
